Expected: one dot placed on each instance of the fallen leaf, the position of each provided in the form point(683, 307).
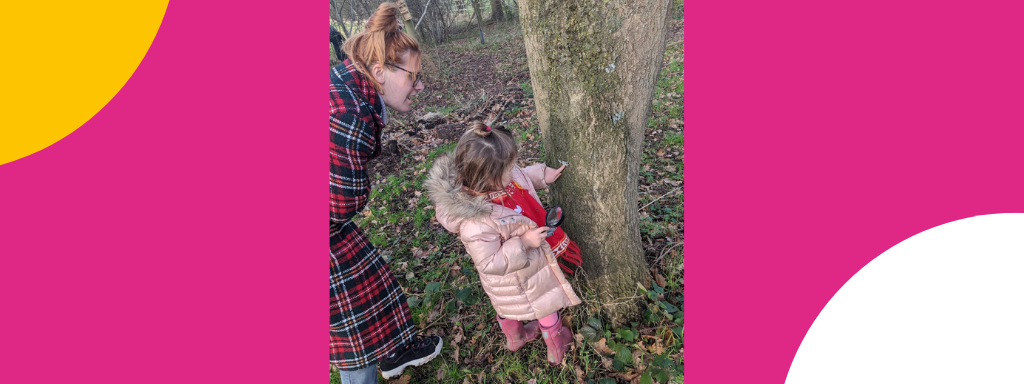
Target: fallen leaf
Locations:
point(627, 377)
point(404, 379)
point(440, 374)
point(457, 335)
point(656, 348)
point(638, 359)
point(494, 368)
point(600, 346)
point(567, 321)
point(480, 359)
point(419, 254)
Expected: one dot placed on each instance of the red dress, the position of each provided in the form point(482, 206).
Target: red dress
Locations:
point(517, 198)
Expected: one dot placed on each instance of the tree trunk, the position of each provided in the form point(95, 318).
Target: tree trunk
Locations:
point(479, 19)
point(410, 22)
point(593, 67)
point(497, 13)
point(366, 7)
point(352, 8)
point(336, 14)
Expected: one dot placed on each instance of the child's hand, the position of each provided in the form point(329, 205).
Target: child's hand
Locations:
point(551, 174)
point(534, 237)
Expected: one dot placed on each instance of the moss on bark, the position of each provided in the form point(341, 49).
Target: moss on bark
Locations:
point(593, 65)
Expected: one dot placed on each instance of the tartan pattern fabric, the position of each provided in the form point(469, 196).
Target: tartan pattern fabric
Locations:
point(369, 316)
point(356, 125)
point(369, 313)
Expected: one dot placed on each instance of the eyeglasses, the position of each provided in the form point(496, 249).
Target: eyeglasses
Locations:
point(419, 76)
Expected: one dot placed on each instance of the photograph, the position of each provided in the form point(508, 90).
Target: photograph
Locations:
point(506, 191)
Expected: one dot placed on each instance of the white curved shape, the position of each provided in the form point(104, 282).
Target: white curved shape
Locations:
point(944, 306)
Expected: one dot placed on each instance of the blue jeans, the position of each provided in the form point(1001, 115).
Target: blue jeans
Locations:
point(366, 375)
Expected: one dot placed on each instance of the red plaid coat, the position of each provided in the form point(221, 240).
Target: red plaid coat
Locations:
point(369, 314)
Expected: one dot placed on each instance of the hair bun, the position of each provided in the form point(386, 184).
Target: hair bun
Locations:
point(480, 129)
point(384, 19)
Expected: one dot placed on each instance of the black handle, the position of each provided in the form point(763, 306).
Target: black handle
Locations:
point(554, 218)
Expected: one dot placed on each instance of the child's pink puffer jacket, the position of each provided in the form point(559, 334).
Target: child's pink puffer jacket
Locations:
point(522, 284)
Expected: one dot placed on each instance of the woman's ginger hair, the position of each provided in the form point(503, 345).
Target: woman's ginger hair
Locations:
point(381, 41)
point(482, 157)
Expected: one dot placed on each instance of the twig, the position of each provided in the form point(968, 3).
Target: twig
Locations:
point(470, 25)
point(659, 198)
point(658, 327)
point(421, 15)
point(665, 251)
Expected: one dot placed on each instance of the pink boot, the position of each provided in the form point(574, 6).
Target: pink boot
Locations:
point(558, 338)
point(517, 333)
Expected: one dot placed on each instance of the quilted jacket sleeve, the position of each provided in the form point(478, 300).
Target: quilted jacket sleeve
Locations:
point(489, 254)
point(536, 174)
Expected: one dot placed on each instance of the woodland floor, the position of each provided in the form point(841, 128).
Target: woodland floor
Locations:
point(464, 80)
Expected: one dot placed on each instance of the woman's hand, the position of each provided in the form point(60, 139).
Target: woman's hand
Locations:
point(534, 237)
point(551, 174)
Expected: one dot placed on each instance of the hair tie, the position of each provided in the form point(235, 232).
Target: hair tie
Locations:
point(488, 128)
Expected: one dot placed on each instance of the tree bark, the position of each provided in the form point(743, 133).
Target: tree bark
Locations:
point(497, 12)
point(336, 14)
point(593, 67)
point(479, 19)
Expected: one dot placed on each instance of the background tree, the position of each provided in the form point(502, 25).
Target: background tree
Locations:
point(593, 67)
point(479, 18)
point(336, 10)
point(497, 13)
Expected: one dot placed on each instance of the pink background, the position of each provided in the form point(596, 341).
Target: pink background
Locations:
point(174, 237)
point(820, 134)
point(178, 236)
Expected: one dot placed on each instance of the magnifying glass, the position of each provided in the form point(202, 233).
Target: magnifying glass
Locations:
point(554, 219)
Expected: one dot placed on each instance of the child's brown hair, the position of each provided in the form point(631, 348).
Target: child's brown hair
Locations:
point(483, 155)
point(383, 41)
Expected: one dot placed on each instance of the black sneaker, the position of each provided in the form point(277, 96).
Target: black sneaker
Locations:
point(419, 351)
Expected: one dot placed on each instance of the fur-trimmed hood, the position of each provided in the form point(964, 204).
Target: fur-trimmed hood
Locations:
point(451, 202)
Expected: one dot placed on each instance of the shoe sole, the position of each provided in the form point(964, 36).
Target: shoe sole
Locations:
point(415, 363)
